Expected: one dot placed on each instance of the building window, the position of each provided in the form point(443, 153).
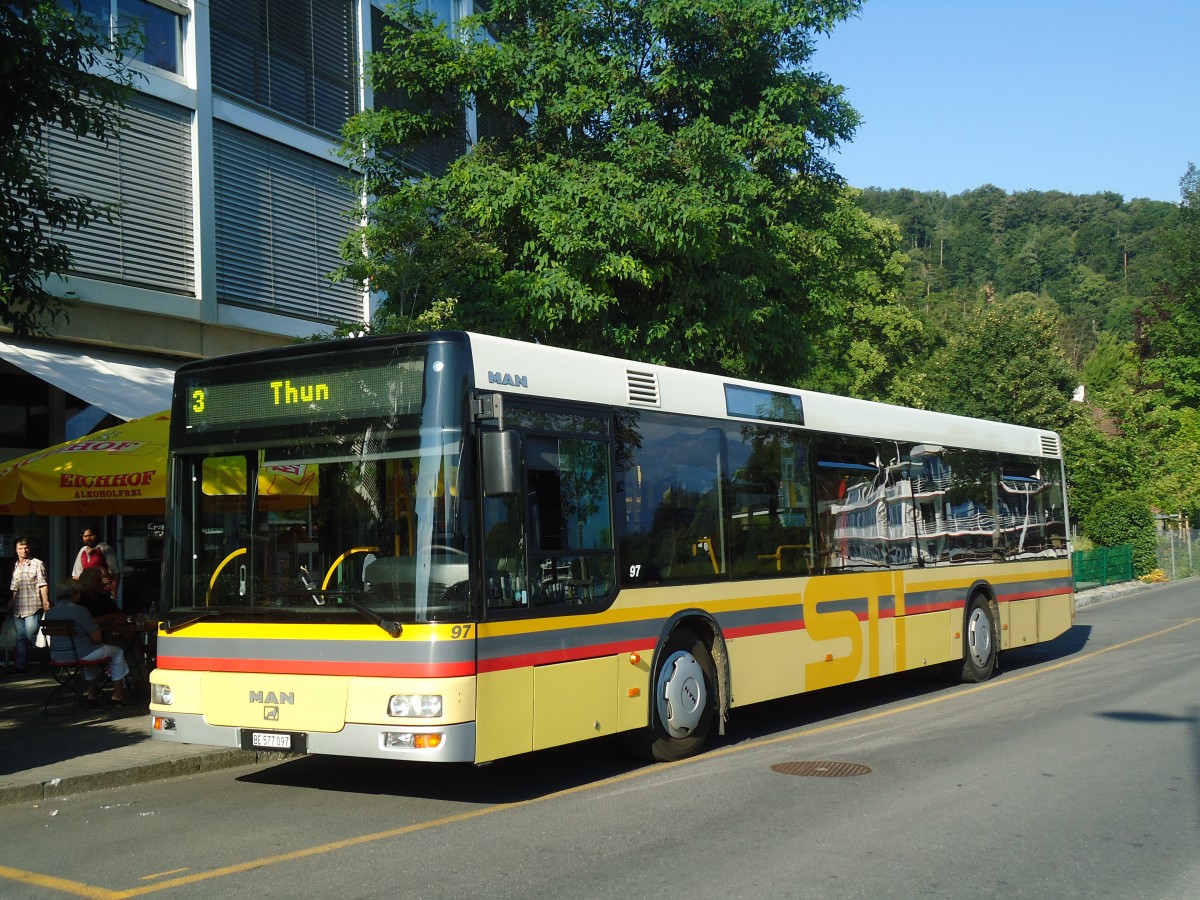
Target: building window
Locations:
point(281, 219)
point(298, 58)
point(143, 176)
point(432, 156)
point(160, 27)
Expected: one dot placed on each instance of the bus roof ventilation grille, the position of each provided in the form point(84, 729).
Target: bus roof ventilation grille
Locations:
point(643, 387)
point(1050, 446)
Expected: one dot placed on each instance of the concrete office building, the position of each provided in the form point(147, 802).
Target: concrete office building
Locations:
point(231, 205)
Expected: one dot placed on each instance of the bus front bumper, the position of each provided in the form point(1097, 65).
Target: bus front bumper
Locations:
point(457, 742)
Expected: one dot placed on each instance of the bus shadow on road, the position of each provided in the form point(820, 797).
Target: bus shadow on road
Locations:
point(547, 772)
point(514, 780)
point(1067, 644)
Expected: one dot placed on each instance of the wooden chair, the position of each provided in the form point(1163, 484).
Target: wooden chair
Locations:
point(69, 673)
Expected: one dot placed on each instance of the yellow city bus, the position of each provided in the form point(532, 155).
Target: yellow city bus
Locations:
point(484, 547)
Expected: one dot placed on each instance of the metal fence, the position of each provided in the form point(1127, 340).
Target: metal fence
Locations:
point(1179, 553)
point(1104, 565)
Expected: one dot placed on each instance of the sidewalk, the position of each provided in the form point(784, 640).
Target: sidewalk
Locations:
point(46, 756)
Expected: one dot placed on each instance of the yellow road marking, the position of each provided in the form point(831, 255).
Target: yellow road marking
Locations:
point(63, 885)
point(164, 874)
point(84, 890)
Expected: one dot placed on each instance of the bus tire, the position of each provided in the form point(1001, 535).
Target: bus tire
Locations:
point(981, 640)
point(684, 703)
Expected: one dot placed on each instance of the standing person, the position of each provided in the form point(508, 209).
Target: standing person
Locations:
point(89, 643)
point(30, 595)
point(95, 553)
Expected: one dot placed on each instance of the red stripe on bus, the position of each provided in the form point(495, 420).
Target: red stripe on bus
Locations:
point(1026, 595)
point(313, 667)
point(765, 628)
point(932, 607)
point(562, 654)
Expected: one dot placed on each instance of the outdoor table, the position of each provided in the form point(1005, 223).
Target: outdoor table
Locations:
point(137, 637)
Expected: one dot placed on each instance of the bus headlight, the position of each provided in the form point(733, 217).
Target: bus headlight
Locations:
point(160, 694)
point(416, 706)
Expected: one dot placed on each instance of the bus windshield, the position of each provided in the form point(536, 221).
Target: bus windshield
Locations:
point(355, 518)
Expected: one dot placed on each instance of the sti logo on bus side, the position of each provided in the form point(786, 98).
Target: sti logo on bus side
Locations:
point(507, 380)
point(283, 698)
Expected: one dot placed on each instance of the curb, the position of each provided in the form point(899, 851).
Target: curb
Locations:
point(1099, 594)
point(54, 788)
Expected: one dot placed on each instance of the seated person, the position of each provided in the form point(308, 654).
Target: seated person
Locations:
point(89, 643)
point(96, 599)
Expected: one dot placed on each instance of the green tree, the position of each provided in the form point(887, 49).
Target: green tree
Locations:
point(1100, 458)
point(1171, 318)
point(58, 71)
point(648, 179)
point(1110, 367)
point(1125, 518)
point(1004, 363)
point(871, 341)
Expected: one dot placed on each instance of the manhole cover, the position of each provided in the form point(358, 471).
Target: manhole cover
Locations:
point(821, 769)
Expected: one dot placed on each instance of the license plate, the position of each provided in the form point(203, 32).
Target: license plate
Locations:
point(273, 740)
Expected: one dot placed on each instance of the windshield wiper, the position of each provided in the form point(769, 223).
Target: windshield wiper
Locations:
point(391, 626)
point(191, 617)
point(172, 624)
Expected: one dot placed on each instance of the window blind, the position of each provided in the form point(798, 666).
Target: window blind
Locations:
point(280, 220)
point(144, 176)
point(298, 58)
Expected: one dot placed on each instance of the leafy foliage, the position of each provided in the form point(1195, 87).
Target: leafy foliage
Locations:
point(57, 71)
point(669, 199)
point(1170, 333)
point(1125, 518)
point(1111, 366)
point(1003, 363)
point(1100, 460)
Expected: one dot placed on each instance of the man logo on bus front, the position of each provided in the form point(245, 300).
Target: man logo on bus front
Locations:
point(271, 713)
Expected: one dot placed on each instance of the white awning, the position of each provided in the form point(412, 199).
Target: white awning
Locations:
point(123, 385)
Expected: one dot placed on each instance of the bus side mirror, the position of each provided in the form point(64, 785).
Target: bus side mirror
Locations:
point(501, 463)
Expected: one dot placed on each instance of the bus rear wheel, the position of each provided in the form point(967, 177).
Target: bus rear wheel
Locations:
point(981, 640)
point(684, 703)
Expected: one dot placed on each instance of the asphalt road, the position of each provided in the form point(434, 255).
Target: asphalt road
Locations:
point(1073, 773)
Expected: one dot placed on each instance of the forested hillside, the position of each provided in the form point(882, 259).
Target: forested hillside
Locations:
point(1095, 255)
point(1022, 297)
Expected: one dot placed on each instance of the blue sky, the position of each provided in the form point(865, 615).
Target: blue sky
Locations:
point(1070, 95)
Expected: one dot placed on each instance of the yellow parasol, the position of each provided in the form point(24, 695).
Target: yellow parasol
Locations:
point(123, 471)
point(116, 471)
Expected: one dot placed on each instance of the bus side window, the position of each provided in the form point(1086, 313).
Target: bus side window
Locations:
point(504, 552)
point(851, 506)
point(546, 505)
point(767, 502)
point(551, 545)
point(671, 530)
point(571, 558)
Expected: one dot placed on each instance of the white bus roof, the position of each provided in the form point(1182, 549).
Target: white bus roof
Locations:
point(518, 368)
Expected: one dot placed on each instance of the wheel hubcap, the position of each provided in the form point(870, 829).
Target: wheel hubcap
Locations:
point(681, 694)
point(979, 637)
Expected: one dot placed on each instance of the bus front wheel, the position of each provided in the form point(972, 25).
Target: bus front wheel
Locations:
point(685, 698)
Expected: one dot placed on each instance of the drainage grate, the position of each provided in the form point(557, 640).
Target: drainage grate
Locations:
point(821, 769)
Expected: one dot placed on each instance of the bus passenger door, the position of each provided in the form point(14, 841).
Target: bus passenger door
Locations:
point(549, 563)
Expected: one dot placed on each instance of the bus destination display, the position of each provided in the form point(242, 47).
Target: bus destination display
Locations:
point(384, 389)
